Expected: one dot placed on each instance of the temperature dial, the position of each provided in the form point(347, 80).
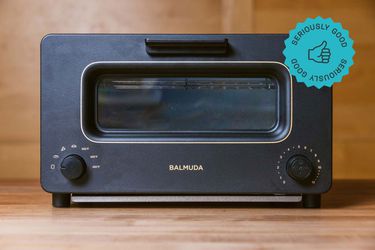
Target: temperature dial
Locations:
point(300, 168)
point(73, 167)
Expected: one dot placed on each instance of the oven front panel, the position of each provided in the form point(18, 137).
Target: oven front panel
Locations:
point(122, 159)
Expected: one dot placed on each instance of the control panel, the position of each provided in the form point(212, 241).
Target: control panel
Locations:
point(300, 164)
point(74, 161)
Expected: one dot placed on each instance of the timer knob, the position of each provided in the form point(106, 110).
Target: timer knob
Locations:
point(73, 167)
point(300, 168)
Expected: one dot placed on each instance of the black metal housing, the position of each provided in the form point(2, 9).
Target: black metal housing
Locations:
point(139, 164)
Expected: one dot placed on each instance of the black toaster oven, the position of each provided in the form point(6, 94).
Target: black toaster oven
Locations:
point(180, 118)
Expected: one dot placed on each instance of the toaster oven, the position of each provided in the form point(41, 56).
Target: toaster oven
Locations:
point(180, 118)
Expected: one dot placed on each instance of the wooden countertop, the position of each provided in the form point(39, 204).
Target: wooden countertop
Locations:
point(346, 221)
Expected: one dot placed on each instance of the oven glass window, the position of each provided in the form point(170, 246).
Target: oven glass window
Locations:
point(187, 104)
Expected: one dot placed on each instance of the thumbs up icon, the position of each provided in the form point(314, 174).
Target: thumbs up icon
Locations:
point(320, 53)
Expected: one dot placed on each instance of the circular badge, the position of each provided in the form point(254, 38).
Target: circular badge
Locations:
point(319, 52)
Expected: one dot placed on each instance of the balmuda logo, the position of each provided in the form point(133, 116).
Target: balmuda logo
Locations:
point(176, 167)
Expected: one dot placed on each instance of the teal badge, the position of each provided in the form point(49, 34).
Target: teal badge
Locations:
point(319, 52)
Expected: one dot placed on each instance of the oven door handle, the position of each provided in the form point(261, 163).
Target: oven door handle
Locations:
point(160, 47)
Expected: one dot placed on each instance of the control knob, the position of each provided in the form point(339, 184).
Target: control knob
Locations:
point(300, 168)
point(73, 167)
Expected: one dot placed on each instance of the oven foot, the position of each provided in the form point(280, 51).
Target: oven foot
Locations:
point(311, 200)
point(60, 200)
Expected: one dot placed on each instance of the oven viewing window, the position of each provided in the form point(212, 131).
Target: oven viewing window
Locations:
point(200, 105)
point(151, 102)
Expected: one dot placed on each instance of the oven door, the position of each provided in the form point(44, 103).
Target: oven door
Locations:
point(186, 102)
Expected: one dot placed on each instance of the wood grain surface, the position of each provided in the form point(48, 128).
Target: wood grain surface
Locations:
point(346, 221)
point(23, 23)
